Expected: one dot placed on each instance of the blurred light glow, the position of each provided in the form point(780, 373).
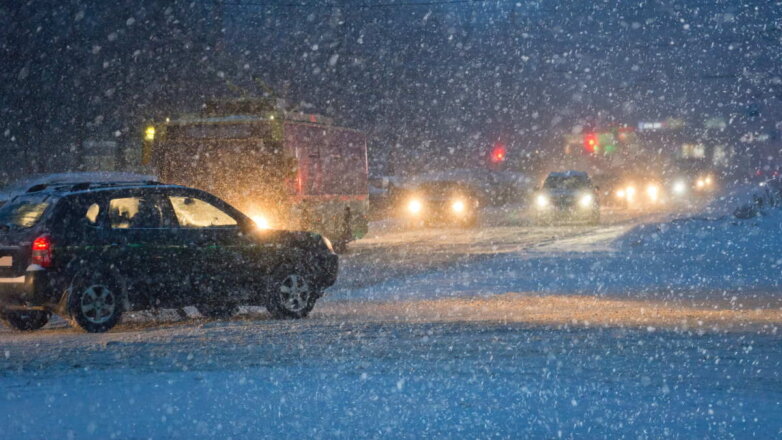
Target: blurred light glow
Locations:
point(679, 187)
point(653, 192)
point(541, 201)
point(149, 133)
point(586, 200)
point(458, 206)
point(415, 206)
point(261, 222)
point(630, 191)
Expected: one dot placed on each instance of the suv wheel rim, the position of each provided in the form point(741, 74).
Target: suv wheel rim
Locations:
point(294, 292)
point(98, 304)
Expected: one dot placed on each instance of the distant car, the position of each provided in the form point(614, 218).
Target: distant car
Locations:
point(566, 196)
point(441, 203)
point(641, 191)
point(91, 251)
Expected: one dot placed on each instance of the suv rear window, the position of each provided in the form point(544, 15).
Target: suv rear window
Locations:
point(22, 213)
point(135, 212)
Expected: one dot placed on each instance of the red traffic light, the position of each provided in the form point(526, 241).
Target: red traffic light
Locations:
point(591, 143)
point(498, 153)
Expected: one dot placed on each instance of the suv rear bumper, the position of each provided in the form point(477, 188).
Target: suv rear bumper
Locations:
point(31, 289)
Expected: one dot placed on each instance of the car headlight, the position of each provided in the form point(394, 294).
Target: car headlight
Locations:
point(586, 200)
point(458, 206)
point(415, 206)
point(621, 193)
point(679, 187)
point(630, 192)
point(541, 201)
point(653, 192)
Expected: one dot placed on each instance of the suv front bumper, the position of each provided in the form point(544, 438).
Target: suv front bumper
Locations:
point(329, 267)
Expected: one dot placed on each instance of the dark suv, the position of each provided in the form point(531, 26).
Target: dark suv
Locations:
point(566, 195)
point(90, 252)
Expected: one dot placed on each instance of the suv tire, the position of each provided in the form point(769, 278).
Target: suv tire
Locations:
point(291, 293)
point(25, 320)
point(95, 301)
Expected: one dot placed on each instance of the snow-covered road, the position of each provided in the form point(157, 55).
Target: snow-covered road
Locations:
point(507, 331)
point(353, 378)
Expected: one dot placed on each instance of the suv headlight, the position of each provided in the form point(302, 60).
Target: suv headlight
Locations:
point(586, 200)
point(327, 242)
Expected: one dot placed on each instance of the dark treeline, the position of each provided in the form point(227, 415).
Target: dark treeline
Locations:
point(433, 85)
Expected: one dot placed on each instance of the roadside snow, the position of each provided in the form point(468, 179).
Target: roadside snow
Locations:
point(712, 256)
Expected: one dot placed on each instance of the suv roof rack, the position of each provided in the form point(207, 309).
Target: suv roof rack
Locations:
point(82, 186)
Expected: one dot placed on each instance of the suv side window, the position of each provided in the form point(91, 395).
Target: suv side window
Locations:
point(92, 213)
point(196, 213)
point(135, 212)
point(76, 216)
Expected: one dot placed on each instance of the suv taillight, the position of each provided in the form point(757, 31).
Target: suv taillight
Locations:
point(42, 251)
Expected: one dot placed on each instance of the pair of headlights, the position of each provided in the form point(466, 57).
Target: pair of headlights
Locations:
point(652, 191)
point(585, 201)
point(702, 183)
point(416, 206)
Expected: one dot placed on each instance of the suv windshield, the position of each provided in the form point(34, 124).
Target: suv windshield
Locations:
point(23, 213)
point(566, 182)
point(443, 189)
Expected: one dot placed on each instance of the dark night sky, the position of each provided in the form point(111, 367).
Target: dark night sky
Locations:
point(431, 84)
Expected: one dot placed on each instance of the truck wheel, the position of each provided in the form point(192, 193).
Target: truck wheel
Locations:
point(95, 302)
point(291, 293)
point(25, 320)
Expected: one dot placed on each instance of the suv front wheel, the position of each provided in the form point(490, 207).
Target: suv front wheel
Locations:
point(95, 302)
point(291, 293)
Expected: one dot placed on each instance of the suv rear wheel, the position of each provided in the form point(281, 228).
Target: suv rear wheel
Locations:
point(95, 302)
point(292, 293)
point(25, 320)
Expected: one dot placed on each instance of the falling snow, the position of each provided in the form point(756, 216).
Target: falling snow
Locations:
point(552, 219)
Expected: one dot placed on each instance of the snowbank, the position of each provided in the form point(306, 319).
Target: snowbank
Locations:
point(712, 257)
